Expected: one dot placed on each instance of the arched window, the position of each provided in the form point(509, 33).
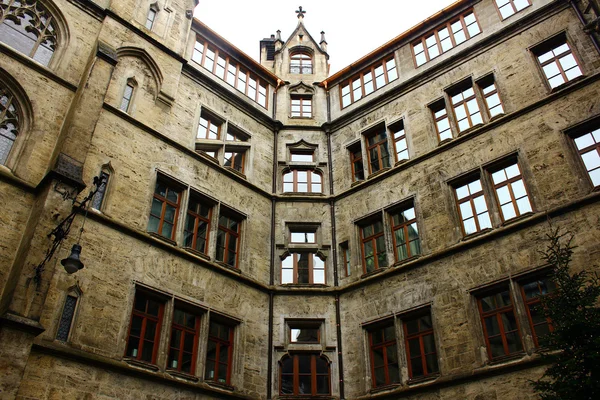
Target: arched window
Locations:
point(304, 374)
point(302, 182)
point(10, 122)
point(29, 28)
point(128, 93)
point(67, 317)
point(301, 63)
point(99, 199)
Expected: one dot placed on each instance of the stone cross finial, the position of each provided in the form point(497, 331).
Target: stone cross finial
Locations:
point(300, 12)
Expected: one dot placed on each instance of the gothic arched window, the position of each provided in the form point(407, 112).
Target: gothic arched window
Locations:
point(304, 374)
point(28, 27)
point(10, 119)
point(301, 63)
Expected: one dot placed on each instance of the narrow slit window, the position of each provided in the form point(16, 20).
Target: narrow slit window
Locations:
point(588, 147)
point(442, 122)
point(127, 96)
point(66, 319)
point(150, 18)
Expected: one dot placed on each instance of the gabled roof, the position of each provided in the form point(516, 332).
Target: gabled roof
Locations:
point(301, 27)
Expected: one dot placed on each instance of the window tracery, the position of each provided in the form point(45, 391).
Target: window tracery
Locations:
point(10, 122)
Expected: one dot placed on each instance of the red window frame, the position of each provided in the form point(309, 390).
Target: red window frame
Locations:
point(377, 150)
point(499, 311)
point(489, 91)
point(165, 202)
point(310, 269)
point(544, 286)
point(204, 132)
point(185, 331)
point(225, 235)
point(313, 185)
point(296, 376)
point(549, 49)
point(513, 7)
point(221, 336)
point(400, 142)
point(464, 97)
point(407, 219)
point(356, 163)
point(422, 333)
point(146, 317)
point(345, 250)
point(383, 343)
point(196, 214)
point(374, 240)
point(302, 103)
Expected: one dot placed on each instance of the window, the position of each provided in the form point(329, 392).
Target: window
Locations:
point(197, 224)
point(29, 28)
point(299, 181)
point(405, 234)
point(373, 246)
point(302, 156)
point(235, 160)
point(165, 209)
point(302, 237)
point(557, 61)
point(303, 268)
point(305, 332)
point(532, 291)
point(10, 121)
point(144, 329)
point(420, 346)
point(466, 109)
point(446, 37)
point(356, 163)
point(228, 239)
point(365, 83)
point(301, 106)
point(150, 18)
point(442, 122)
point(377, 149)
point(127, 96)
point(227, 69)
point(500, 328)
point(490, 95)
point(472, 207)
point(588, 147)
point(400, 145)
point(511, 193)
point(183, 347)
point(304, 375)
point(235, 135)
point(345, 252)
point(300, 63)
point(209, 127)
point(66, 318)
point(98, 199)
point(383, 353)
point(219, 353)
point(510, 7)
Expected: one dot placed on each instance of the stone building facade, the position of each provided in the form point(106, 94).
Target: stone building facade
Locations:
point(266, 230)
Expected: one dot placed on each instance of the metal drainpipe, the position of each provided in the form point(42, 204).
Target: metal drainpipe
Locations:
point(272, 265)
point(582, 20)
point(334, 256)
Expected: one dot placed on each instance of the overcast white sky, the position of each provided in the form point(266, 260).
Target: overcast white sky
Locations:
point(352, 28)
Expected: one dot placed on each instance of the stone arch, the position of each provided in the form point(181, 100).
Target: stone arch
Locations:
point(147, 59)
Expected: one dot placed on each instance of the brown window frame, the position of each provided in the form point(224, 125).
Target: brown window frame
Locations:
point(360, 77)
point(311, 269)
point(260, 84)
point(157, 319)
point(304, 100)
point(297, 61)
point(384, 344)
point(435, 33)
point(211, 120)
point(185, 332)
point(198, 218)
point(303, 324)
point(404, 226)
point(309, 181)
point(355, 158)
point(235, 155)
point(398, 135)
point(513, 7)
point(219, 344)
point(373, 239)
point(379, 147)
point(483, 85)
point(165, 201)
point(509, 182)
point(536, 302)
point(436, 107)
point(229, 233)
point(470, 198)
point(420, 334)
point(347, 264)
point(498, 312)
point(295, 375)
point(596, 146)
point(549, 46)
point(464, 102)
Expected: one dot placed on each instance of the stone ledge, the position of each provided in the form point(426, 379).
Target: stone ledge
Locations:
point(21, 323)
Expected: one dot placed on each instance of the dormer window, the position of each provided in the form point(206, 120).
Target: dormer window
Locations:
point(301, 63)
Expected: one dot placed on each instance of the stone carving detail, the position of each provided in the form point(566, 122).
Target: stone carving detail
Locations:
point(9, 122)
point(28, 27)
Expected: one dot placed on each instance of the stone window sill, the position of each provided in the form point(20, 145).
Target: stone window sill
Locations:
point(407, 260)
point(162, 238)
point(140, 364)
point(183, 375)
point(423, 379)
point(506, 359)
point(220, 385)
point(384, 388)
point(229, 267)
point(519, 218)
point(375, 272)
point(197, 253)
point(476, 234)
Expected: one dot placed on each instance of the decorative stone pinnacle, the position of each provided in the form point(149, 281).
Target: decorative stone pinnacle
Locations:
point(300, 12)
